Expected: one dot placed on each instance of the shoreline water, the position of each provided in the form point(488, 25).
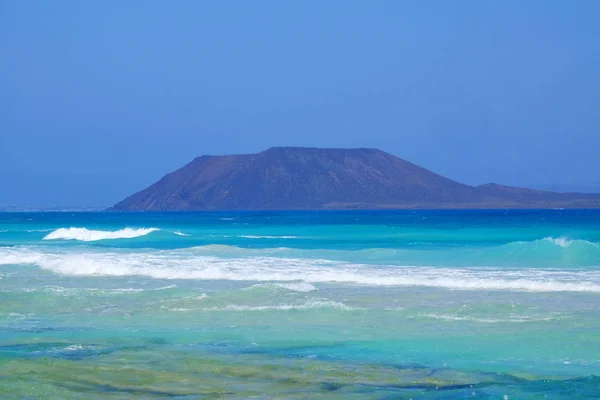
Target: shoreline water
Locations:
point(424, 304)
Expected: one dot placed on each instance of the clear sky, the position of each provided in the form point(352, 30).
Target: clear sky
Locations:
point(99, 99)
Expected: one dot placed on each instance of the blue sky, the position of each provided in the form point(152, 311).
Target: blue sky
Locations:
point(100, 99)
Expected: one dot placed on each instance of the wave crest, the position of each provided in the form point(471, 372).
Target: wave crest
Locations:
point(88, 235)
point(176, 264)
point(566, 242)
point(309, 305)
point(505, 320)
point(292, 286)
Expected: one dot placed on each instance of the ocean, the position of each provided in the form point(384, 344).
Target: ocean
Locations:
point(300, 305)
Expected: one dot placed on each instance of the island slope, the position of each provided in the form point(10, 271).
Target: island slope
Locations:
point(287, 178)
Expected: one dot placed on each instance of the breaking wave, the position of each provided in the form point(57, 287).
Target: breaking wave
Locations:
point(72, 292)
point(541, 253)
point(504, 320)
point(309, 305)
point(298, 273)
point(292, 286)
point(565, 242)
point(87, 235)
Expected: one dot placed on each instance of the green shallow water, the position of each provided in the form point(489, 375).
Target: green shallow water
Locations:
point(384, 305)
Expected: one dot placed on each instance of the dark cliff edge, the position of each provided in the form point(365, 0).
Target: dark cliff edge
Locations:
point(294, 178)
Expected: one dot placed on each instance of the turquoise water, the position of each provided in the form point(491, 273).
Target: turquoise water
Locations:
point(382, 305)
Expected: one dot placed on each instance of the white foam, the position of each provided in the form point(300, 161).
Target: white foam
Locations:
point(187, 264)
point(179, 233)
point(74, 347)
point(293, 286)
point(566, 242)
point(309, 305)
point(69, 292)
point(561, 241)
point(510, 319)
point(165, 287)
point(298, 286)
point(284, 307)
point(18, 316)
point(87, 235)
